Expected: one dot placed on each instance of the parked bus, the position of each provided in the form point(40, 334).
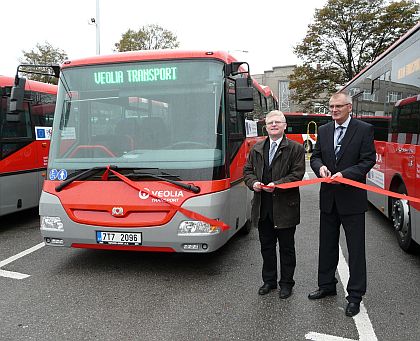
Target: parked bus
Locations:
point(390, 87)
point(24, 142)
point(381, 125)
point(301, 127)
point(147, 152)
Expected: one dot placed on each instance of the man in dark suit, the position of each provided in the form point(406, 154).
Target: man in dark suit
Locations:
point(344, 148)
point(275, 211)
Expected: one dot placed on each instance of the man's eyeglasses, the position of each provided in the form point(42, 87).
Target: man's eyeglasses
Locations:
point(338, 106)
point(274, 122)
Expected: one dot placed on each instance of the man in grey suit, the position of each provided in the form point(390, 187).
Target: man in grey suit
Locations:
point(344, 148)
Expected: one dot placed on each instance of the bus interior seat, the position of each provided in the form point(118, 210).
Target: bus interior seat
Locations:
point(152, 133)
point(126, 131)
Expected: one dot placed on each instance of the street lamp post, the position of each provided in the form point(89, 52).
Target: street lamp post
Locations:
point(98, 34)
point(95, 21)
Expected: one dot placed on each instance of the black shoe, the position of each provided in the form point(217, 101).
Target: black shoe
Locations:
point(285, 292)
point(321, 293)
point(266, 288)
point(352, 309)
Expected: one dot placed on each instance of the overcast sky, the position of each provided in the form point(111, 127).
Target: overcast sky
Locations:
point(268, 29)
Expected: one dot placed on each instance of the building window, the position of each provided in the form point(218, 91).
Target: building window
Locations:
point(393, 96)
point(284, 96)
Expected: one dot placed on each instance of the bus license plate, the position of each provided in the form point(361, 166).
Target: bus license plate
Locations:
point(118, 238)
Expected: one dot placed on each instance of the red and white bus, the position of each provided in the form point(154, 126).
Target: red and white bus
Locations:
point(301, 127)
point(390, 87)
point(170, 125)
point(24, 142)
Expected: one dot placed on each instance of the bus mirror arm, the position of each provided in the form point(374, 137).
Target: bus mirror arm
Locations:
point(30, 68)
point(233, 69)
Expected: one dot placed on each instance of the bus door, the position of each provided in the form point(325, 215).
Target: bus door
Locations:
point(18, 161)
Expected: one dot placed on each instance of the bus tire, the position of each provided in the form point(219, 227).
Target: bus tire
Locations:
point(246, 228)
point(308, 146)
point(401, 219)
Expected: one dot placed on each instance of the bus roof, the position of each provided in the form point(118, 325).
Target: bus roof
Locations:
point(305, 114)
point(144, 55)
point(386, 52)
point(408, 100)
point(30, 85)
point(168, 54)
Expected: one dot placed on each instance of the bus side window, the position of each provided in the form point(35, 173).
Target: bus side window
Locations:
point(17, 125)
point(42, 109)
point(407, 119)
point(236, 122)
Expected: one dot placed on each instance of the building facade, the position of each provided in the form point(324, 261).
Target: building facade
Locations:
point(278, 80)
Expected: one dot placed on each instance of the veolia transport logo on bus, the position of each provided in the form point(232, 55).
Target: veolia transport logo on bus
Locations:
point(167, 195)
point(142, 75)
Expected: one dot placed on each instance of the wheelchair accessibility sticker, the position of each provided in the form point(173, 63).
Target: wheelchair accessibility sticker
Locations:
point(57, 174)
point(43, 133)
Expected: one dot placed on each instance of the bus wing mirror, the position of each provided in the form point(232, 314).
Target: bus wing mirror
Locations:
point(56, 70)
point(244, 95)
point(17, 95)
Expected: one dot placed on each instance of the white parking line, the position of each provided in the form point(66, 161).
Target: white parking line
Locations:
point(362, 320)
point(17, 275)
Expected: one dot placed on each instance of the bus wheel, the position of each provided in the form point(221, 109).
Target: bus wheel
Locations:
point(401, 220)
point(308, 146)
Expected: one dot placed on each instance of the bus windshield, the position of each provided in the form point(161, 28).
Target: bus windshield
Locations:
point(166, 115)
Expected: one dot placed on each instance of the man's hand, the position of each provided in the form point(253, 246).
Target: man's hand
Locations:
point(336, 175)
point(271, 187)
point(257, 186)
point(324, 172)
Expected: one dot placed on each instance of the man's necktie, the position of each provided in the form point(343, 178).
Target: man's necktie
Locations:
point(272, 152)
point(339, 138)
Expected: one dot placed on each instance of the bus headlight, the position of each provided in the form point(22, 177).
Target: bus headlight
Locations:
point(196, 228)
point(51, 223)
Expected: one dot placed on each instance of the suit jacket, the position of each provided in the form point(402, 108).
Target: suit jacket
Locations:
point(356, 157)
point(288, 165)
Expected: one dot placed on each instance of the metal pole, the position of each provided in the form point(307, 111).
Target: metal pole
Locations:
point(98, 34)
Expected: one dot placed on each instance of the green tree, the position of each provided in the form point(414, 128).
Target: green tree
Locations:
point(345, 36)
point(149, 37)
point(310, 83)
point(42, 54)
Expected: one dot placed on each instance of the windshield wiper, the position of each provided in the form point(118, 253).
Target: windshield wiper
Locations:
point(81, 176)
point(136, 173)
point(189, 187)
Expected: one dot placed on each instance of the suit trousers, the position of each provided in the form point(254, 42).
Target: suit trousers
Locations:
point(269, 236)
point(354, 228)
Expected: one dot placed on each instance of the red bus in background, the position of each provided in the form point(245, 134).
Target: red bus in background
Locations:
point(24, 143)
point(141, 137)
point(301, 127)
point(380, 124)
point(390, 87)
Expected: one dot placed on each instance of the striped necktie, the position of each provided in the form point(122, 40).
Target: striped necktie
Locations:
point(272, 152)
point(339, 139)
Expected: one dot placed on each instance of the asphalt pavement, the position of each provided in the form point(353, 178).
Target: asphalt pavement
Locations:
point(73, 294)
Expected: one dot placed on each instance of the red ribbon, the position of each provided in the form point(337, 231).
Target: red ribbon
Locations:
point(223, 226)
point(346, 182)
point(188, 213)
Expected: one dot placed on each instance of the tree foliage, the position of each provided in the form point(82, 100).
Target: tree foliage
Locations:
point(43, 54)
point(345, 36)
point(313, 83)
point(149, 37)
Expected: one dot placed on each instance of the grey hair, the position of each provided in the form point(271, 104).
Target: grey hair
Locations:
point(275, 113)
point(342, 93)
